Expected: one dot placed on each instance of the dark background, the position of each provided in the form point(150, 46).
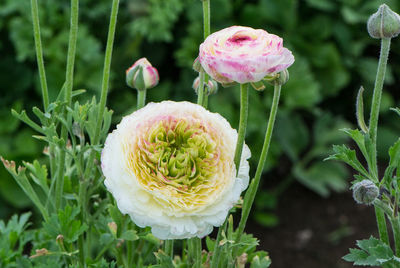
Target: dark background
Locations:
point(304, 214)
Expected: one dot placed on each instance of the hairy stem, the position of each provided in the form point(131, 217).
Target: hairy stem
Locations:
point(244, 107)
point(373, 125)
point(201, 96)
point(251, 192)
point(39, 53)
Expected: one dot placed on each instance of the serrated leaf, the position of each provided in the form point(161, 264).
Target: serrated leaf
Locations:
point(130, 235)
point(343, 153)
point(258, 262)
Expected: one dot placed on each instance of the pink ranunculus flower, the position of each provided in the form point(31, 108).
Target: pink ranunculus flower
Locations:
point(149, 77)
point(243, 54)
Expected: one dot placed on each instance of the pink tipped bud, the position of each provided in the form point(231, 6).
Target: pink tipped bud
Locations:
point(142, 75)
point(211, 87)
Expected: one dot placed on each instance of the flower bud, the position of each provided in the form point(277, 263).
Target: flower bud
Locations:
point(211, 87)
point(142, 75)
point(384, 23)
point(365, 192)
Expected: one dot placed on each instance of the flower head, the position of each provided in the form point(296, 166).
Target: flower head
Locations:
point(243, 54)
point(170, 166)
point(142, 75)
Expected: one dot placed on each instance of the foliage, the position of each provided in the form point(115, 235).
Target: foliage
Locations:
point(329, 60)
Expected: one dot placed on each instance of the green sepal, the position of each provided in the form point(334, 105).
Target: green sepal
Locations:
point(259, 86)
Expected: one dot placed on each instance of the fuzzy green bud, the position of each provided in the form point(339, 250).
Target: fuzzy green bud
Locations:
point(365, 192)
point(384, 23)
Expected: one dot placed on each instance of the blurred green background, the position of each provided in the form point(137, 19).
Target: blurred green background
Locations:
point(334, 56)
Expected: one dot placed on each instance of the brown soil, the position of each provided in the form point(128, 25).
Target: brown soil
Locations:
point(314, 232)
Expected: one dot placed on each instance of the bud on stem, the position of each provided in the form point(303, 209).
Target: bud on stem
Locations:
point(384, 23)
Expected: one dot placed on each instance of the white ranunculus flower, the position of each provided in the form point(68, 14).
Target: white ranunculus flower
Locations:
point(170, 166)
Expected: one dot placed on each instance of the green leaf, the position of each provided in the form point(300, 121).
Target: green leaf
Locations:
point(258, 262)
point(372, 252)
point(343, 153)
point(130, 235)
point(164, 260)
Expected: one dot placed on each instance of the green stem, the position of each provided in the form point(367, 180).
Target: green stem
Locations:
point(382, 227)
point(376, 98)
point(169, 248)
point(200, 90)
point(201, 97)
point(217, 247)
point(244, 107)
point(81, 251)
point(69, 80)
point(141, 98)
point(396, 234)
point(251, 192)
point(194, 252)
point(39, 53)
point(105, 83)
point(106, 69)
point(73, 36)
point(373, 125)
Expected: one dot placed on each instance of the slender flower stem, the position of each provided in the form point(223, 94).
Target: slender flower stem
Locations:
point(105, 83)
point(69, 80)
point(251, 192)
point(200, 90)
point(217, 247)
point(106, 69)
point(201, 97)
point(376, 98)
point(373, 125)
point(141, 98)
point(39, 53)
point(381, 222)
point(244, 107)
point(396, 233)
point(169, 248)
point(73, 36)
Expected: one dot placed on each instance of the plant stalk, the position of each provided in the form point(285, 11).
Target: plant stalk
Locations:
point(141, 98)
point(39, 53)
point(69, 80)
point(201, 96)
point(244, 107)
point(251, 192)
point(373, 125)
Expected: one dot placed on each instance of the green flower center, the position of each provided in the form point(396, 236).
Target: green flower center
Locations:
point(178, 158)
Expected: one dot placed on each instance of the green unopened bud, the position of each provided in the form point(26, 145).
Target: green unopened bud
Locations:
point(142, 75)
point(384, 23)
point(365, 192)
point(211, 87)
